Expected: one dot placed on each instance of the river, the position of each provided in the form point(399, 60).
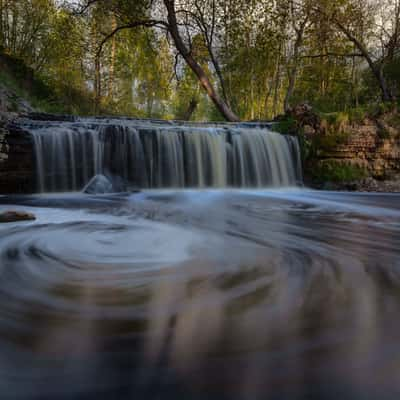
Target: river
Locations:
point(201, 294)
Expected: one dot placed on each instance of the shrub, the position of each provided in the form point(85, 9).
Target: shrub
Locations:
point(286, 126)
point(332, 171)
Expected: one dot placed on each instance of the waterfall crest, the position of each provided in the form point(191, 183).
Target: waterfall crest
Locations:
point(162, 155)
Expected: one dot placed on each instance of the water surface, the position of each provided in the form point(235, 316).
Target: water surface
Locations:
point(201, 295)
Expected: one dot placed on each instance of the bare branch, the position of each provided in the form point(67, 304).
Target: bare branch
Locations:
point(132, 25)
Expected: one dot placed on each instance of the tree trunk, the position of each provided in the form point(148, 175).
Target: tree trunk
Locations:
point(97, 84)
point(290, 89)
point(205, 82)
point(187, 116)
point(293, 70)
point(386, 94)
point(2, 44)
point(14, 30)
point(112, 61)
point(376, 67)
point(277, 83)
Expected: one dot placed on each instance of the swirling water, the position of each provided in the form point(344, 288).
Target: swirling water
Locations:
point(201, 295)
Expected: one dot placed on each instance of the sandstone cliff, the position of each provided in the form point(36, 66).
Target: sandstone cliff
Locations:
point(361, 150)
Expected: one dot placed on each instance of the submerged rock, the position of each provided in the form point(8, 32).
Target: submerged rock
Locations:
point(16, 216)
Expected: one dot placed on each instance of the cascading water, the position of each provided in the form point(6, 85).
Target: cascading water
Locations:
point(162, 155)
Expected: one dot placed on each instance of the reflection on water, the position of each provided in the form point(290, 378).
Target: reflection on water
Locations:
point(201, 295)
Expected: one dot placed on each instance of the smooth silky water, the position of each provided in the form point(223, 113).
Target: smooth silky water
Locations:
point(201, 294)
point(149, 154)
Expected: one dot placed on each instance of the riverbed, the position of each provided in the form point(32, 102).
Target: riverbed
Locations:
point(201, 294)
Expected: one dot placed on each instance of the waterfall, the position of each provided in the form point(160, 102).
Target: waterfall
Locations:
point(162, 155)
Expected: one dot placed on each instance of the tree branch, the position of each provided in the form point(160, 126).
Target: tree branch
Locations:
point(330, 54)
point(132, 25)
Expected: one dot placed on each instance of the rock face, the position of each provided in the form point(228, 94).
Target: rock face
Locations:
point(16, 160)
point(364, 147)
point(306, 119)
point(363, 185)
point(11, 105)
point(16, 146)
point(372, 144)
point(16, 216)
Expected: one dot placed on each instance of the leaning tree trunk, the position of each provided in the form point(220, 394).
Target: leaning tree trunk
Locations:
point(205, 82)
point(376, 68)
point(386, 93)
point(112, 61)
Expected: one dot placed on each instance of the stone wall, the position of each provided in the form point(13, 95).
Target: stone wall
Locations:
point(370, 143)
point(365, 148)
point(16, 160)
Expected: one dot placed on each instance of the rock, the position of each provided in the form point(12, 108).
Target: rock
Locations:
point(16, 216)
point(370, 184)
point(309, 130)
point(16, 160)
point(306, 118)
point(99, 184)
point(11, 104)
point(41, 116)
point(364, 185)
point(351, 186)
point(102, 184)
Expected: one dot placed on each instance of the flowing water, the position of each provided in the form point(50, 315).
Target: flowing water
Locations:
point(151, 154)
point(215, 294)
point(239, 294)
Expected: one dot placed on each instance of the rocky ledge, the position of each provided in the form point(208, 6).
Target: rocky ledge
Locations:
point(16, 160)
point(350, 152)
point(363, 185)
point(16, 216)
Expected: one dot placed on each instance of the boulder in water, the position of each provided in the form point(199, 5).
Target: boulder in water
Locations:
point(16, 216)
point(99, 184)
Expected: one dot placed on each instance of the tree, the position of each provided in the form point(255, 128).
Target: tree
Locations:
point(139, 14)
point(351, 16)
point(299, 18)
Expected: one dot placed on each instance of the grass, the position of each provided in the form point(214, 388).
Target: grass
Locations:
point(356, 115)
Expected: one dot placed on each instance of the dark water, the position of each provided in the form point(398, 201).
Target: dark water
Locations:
point(201, 295)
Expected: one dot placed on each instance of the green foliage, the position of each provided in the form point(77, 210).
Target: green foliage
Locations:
point(327, 143)
point(25, 85)
point(142, 74)
point(383, 133)
point(378, 109)
point(332, 171)
point(335, 123)
point(286, 126)
point(257, 45)
point(357, 115)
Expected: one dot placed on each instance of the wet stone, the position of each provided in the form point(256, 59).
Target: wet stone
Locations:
point(16, 216)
